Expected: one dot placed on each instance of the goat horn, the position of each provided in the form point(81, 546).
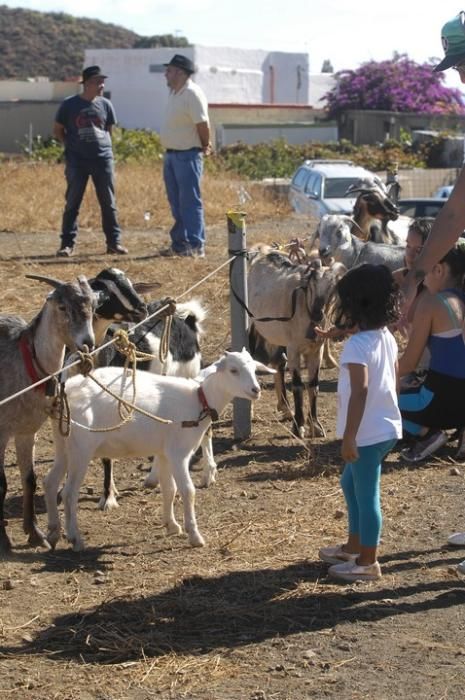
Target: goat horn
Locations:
point(49, 280)
point(144, 287)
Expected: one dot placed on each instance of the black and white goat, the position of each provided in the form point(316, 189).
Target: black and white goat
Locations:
point(118, 300)
point(30, 352)
point(375, 215)
point(182, 401)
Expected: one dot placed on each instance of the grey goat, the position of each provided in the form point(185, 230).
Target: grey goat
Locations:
point(337, 242)
point(28, 353)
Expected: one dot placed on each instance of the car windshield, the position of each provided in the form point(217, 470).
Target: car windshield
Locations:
point(336, 187)
point(419, 209)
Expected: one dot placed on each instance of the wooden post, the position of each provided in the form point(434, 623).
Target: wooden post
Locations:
point(237, 243)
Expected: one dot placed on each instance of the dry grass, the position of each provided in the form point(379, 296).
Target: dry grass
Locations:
point(33, 197)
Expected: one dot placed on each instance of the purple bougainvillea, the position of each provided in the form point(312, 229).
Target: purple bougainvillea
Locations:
point(399, 85)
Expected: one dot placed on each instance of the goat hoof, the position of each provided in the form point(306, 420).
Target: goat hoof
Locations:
point(196, 539)
point(173, 529)
point(37, 538)
point(298, 431)
point(151, 482)
point(207, 481)
point(53, 535)
point(78, 544)
point(5, 543)
point(318, 430)
point(109, 503)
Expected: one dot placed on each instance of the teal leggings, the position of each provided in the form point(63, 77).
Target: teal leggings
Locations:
point(360, 483)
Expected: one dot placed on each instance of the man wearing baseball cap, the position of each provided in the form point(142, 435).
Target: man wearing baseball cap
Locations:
point(83, 123)
point(185, 134)
point(450, 222)
point(453, 43)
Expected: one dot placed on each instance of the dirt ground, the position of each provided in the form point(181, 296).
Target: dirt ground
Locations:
point(252, 616)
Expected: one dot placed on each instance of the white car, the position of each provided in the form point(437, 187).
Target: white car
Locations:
point(320, 187)
point(443, 192)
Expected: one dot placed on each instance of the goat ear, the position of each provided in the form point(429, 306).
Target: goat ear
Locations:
point(48, 280)
point(260, 367)
point(221, 362)
point(144, 287)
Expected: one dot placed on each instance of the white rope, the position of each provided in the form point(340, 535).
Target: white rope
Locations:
point(110, 342)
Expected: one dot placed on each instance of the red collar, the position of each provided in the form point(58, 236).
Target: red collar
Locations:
point(206, 408)
point(204, 413)
point(27, 351)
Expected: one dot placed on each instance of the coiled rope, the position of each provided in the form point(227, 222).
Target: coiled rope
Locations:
point(125, 408)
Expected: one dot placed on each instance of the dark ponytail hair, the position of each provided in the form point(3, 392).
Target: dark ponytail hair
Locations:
point(368, 298)
point(455, 259)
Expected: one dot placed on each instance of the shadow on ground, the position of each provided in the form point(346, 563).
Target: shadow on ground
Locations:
point(201, 615)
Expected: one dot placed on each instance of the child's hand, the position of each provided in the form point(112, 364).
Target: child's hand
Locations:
point(349, 451)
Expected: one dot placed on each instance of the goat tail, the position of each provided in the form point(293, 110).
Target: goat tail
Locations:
point(193, 313)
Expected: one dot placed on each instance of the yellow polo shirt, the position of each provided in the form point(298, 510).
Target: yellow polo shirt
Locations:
point(184, 110)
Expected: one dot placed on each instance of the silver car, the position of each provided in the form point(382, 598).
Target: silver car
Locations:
point(320, 187)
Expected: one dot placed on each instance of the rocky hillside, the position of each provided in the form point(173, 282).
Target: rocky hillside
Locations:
point(53, 44)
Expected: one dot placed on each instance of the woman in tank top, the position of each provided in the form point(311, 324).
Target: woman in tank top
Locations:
point(437, 324)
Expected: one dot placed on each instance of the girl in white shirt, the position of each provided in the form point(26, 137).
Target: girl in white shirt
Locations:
point(368, 420)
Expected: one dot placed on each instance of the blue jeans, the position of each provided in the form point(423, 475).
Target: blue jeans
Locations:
point(360, 482)
point(77, 175)
point(182, 172)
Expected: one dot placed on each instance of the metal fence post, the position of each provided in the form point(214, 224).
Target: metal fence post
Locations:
point(237, 245)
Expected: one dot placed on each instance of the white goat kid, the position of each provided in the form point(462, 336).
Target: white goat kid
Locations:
point(206, 464)
point(172, 398)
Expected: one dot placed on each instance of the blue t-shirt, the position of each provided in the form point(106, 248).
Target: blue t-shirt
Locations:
point(86, 125)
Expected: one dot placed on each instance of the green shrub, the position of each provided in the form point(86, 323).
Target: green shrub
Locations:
point(279, 159)
point(136, 145)
point(129, 145)
point(273, 159)
point(46, 150)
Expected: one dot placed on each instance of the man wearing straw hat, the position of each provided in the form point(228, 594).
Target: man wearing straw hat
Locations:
point(83, 124)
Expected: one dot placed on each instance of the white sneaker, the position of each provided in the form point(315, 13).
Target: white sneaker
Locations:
point(336, 555)
point(351, 571)
point(457, 539)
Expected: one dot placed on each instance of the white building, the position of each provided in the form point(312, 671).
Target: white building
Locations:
point(137, 85)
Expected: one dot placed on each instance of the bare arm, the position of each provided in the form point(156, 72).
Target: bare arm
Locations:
point(203, 130)
point(59, 132)
point(419, 334)
point(447, 228)
point(355, 409)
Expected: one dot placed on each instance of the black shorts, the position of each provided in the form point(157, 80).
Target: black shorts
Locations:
point(438, 403)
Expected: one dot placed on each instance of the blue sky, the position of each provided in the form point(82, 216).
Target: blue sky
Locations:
point(345, 32)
